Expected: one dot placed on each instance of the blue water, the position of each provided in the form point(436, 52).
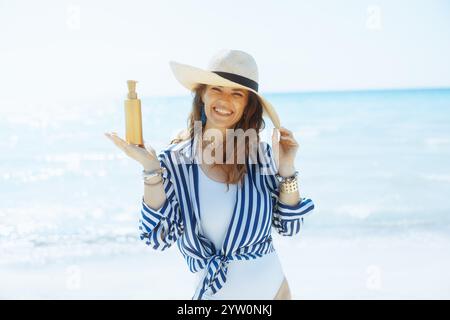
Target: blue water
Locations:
point(374, 162)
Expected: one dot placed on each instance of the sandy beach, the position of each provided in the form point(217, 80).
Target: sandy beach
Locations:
point(322, 267)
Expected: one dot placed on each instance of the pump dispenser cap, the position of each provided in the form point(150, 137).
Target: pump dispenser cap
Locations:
point(132, 89)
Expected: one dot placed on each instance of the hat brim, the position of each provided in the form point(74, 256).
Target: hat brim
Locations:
point(190, 77)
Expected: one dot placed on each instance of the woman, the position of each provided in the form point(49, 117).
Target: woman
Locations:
point(224, 233)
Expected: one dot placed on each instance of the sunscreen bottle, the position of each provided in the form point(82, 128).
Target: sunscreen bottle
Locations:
point(133, 116)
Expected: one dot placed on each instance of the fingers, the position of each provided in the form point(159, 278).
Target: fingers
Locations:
point(117, 138)
point(135, 152)
point(288, 141)
point(287, 137)
point(150, 149)
point(122, 144)
point(285, 132)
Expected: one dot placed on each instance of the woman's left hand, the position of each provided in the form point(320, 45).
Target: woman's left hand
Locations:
point(284, 151)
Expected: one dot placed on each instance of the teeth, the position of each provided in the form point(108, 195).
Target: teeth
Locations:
point(222, 111)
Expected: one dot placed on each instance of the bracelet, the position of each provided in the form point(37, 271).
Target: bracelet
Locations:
point(148, 175)
point(289, 187)
point(282, 179)
point(288, 184)
point(153, 184)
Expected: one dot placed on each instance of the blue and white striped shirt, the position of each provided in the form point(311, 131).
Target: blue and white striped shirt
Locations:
point(257, 209)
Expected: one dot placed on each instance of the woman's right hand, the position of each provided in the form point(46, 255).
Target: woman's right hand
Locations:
point(144, 155)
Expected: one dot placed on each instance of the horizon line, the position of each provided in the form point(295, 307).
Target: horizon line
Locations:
point(318, 91)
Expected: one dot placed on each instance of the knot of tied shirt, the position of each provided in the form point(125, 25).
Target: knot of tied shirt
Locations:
point(216, 263)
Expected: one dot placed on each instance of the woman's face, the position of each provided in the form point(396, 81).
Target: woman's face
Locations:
point(224, 106)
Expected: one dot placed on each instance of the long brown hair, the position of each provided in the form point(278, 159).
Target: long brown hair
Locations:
point(251, 119)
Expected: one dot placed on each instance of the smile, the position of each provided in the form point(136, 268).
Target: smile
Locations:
point(223, 111)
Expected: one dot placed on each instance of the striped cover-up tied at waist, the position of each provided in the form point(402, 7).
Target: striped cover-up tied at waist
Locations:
point(217, 265)
point(257, 211)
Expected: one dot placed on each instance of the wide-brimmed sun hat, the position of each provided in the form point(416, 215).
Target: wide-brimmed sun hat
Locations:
point(228, 68)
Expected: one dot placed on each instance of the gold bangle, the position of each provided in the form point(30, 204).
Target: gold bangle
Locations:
point(289, 186)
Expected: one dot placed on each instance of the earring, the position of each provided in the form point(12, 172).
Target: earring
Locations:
point(203, 114)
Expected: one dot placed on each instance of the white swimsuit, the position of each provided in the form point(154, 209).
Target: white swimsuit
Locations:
point(254, 279)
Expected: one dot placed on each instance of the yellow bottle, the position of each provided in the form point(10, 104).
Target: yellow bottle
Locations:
point(133, 116)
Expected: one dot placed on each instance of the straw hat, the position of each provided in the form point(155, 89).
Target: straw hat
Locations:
point(228, 68)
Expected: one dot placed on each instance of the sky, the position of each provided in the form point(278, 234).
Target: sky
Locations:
point(85, 49)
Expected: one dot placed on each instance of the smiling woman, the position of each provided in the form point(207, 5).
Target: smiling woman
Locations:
point(224, 235)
